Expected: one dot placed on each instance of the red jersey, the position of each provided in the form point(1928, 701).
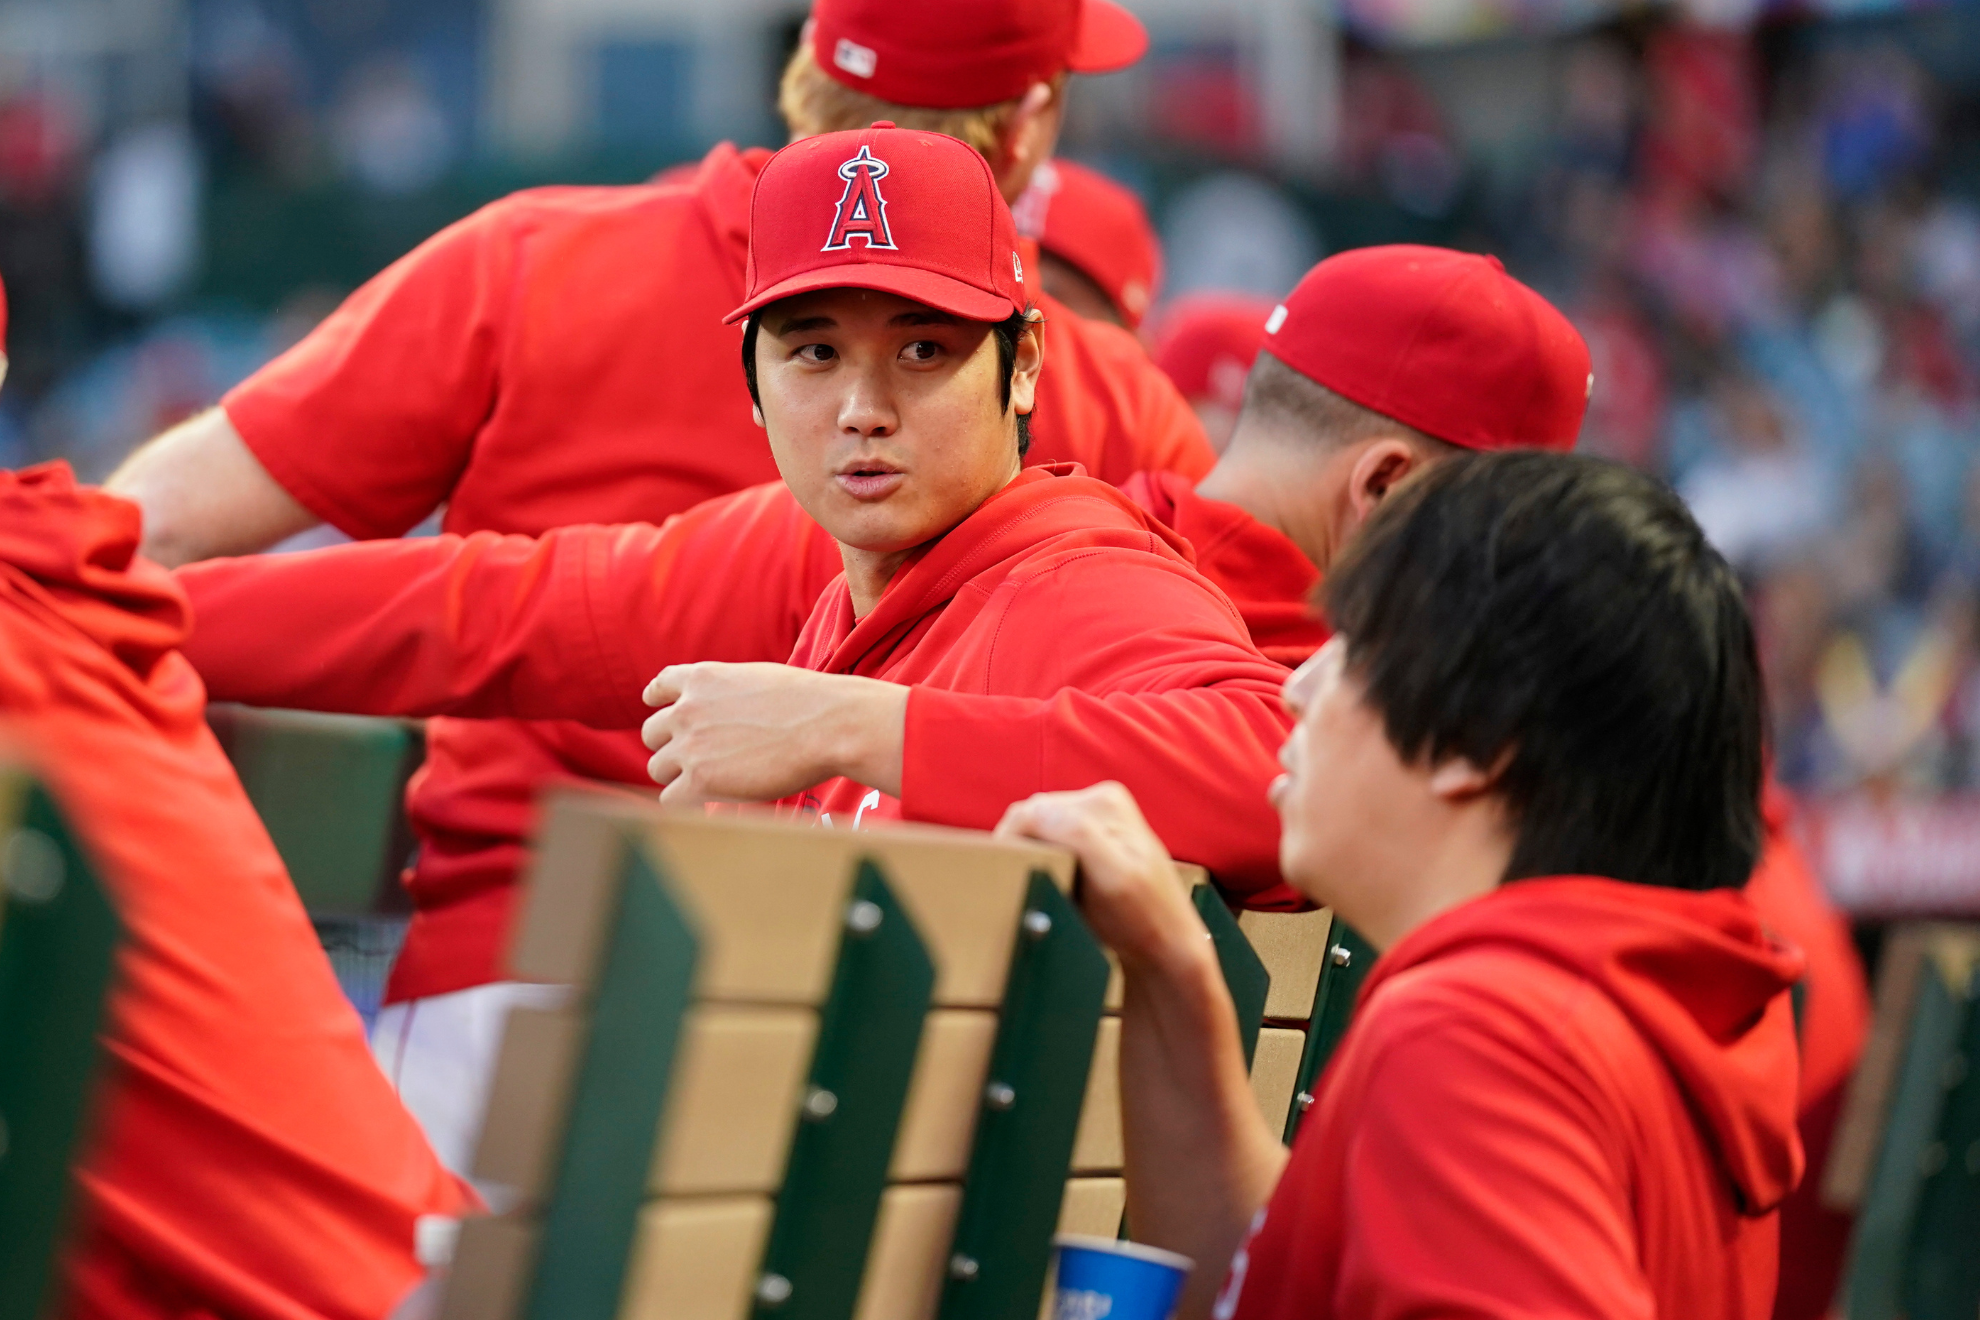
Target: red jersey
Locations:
point(1570, 1097)
point(558, 358)
point(248, 1157)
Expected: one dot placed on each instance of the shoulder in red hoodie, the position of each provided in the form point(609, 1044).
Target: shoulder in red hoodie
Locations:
point(248, 1159)
point(1572, 1097)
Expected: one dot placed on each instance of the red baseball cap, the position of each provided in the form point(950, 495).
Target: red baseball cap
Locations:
point(958, 54)
point(1083, 217)
point(893, 209)
point(1206, 343)
point(1443, 341)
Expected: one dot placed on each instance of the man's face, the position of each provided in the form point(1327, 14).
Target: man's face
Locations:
point(1347, 801)
point(885, 415)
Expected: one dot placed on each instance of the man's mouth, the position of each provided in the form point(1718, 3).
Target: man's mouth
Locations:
point(869, 479)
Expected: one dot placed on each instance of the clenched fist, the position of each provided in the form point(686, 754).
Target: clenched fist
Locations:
point(759, 732)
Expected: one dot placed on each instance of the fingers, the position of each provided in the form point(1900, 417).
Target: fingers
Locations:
point(667, 685)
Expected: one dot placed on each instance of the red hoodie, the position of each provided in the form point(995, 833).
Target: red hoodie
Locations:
point(1571, 1097)
point(1025, 598)
point(249, 1159)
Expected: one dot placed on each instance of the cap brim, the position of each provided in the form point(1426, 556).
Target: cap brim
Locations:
point(923, 286)
point(1109, 38)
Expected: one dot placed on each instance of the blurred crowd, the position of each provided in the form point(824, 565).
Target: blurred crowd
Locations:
point(1763, 239)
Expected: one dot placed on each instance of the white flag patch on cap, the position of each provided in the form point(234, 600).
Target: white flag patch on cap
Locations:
point(860, 61)
point(1275, 320)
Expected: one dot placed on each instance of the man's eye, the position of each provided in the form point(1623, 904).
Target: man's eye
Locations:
point(922, 350)
point(817, 353)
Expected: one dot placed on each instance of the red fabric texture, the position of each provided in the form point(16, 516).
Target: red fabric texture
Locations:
point(912, 213)
point(1086, 219)
point(1835, 1020)
point(449, 378)
point(1443, 341)
point(1570, 1097)
point(247, 1158)
point(955, 57)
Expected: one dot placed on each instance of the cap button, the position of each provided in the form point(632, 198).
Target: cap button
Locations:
point(883, 123)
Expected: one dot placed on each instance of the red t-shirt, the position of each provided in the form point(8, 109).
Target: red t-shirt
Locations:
point(1572, 1097)
point(558, 358)
point(248, 1158)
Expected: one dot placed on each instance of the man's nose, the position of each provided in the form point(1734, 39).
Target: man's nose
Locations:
point(868, 407)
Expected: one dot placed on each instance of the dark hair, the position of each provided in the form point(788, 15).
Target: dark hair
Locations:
point(1278, 395)
point(1007, 332)
point(1565, 615)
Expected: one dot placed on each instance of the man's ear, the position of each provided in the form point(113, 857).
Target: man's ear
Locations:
point(1026, 364)
point(1458, 780)
point(1377, 468)
point(756, 415)
point(1029, 137)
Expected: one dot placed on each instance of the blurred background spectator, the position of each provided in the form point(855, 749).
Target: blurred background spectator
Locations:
point(1764, 215)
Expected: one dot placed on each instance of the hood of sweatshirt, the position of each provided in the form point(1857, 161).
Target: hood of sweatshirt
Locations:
point(1693, 971)
point(73, 550)
point(1050, 509)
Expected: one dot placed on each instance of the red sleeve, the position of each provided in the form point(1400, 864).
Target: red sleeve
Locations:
point(1482, 1187)
point(567, 626)
point(1185, 713)
point(369, 420)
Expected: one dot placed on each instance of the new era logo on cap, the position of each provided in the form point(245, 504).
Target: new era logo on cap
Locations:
point(862, 211)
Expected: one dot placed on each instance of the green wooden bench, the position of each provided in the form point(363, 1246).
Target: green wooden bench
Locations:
point(58, 938)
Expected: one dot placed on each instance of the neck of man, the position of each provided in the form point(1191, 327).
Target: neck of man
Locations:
point(868, 572)
point(1463, 857)
point(1284, 485)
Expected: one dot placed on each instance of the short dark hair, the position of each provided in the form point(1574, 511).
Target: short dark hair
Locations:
point(1284, 398)
point(1007, 333)
point(1565, 615)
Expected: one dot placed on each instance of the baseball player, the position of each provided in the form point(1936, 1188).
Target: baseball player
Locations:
point(1528, 770)
point(243, 1157)
point(559, 358)
point(892, 364)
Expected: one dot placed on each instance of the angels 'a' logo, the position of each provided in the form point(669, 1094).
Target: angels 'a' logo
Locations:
point(862, 212)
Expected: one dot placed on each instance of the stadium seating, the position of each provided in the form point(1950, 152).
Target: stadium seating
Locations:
point(817, 1073)
point(58, 937)
point(1907, 1150)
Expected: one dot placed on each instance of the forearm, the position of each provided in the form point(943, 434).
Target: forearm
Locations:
point(1200, 1159)
point(1198, 760)
point(204, 494)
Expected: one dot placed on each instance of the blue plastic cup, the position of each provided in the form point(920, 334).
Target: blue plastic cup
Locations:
point(1102, 1279)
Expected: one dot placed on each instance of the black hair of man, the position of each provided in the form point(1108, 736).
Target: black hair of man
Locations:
point(1007, 333)
point(1563, 618)
point(1289, 403)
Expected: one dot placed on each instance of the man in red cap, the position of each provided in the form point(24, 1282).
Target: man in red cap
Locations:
point(1206, 343)
point(558, 358)
point(1097, 252)
point(244, 1156)
point(888, 355)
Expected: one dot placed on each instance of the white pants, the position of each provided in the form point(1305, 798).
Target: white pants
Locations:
point(439, 1054)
